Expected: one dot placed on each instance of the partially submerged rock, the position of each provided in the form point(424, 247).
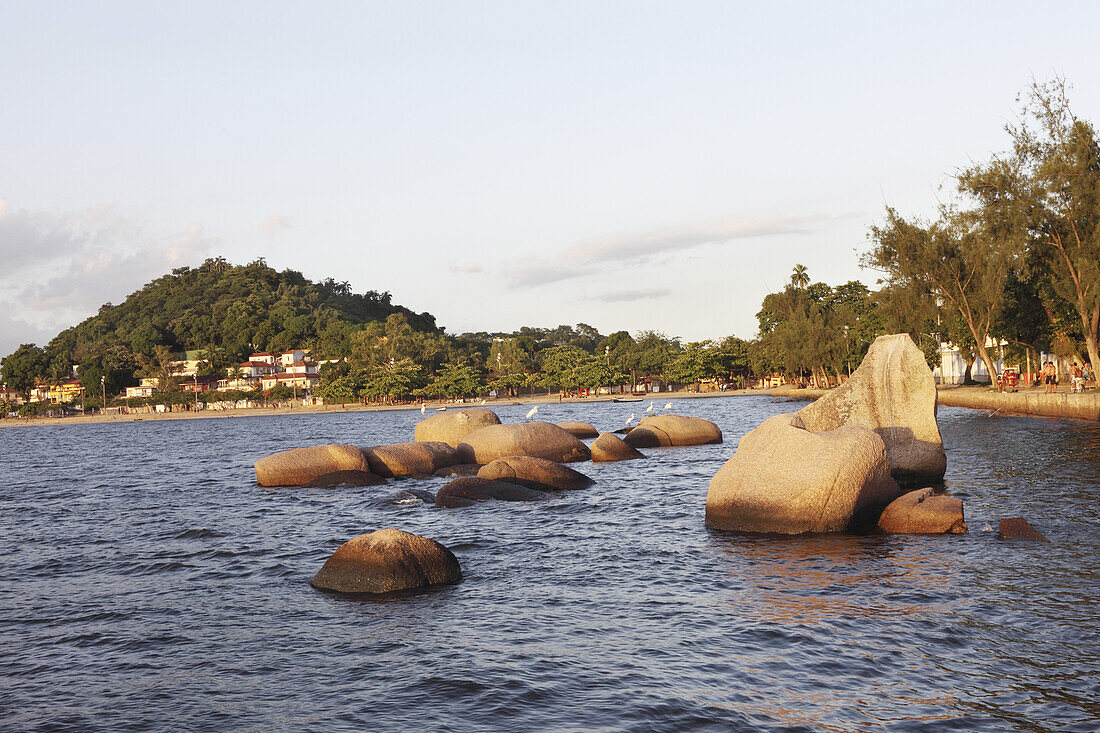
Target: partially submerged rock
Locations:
point(535, 473)
point(673, 430)
point(469, 490)
point(300, 466)
point(579, 429)
point(786, 479)
point(346, 478)
point(459, 469)
point(452, 426)
point(408, 459)
point(923, 512)
point(608, 447)
point(893, 393)
point(386, 561)
point(535, 439)
point(1018, 528)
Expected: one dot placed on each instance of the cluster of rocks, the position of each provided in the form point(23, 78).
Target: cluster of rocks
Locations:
point(486, 460)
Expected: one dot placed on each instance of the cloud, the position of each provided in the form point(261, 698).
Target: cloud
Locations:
point(469, 268)
point(59, 268)
point(628, 296)
point(626, 250)
point(275, 224)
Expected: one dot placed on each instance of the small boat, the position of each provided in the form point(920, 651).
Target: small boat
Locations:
point(626, 399)
point(441, 409)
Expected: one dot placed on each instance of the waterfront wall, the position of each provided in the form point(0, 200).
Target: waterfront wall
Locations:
point(1078, 406)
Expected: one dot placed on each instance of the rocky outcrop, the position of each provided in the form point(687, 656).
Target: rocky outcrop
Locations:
point(1018, 528)
point(608, 447)
point(346, 478)
point(469, 490)
point(535, 439)
point(407, 459)
point(892, 393)
point(459, 469)
point(452, 426)
point(535, 473)
point(786, 479)
point(673, 430)
point(923, 512)
point(300, 466)
point(386, 561)
point(579, 429)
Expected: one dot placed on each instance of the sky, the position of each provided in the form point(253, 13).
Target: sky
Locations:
point(628, 165)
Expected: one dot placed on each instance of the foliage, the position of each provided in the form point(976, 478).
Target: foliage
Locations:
point(22, 367)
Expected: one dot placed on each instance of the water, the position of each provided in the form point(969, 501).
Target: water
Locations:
point(149, 584)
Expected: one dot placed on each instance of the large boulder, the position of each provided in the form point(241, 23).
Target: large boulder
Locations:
point(579, 429)
point(923, 512)
point(386, 561)
point(610, 447)
point(300, 466)
point(469, 490)
point(535, 439)
point(893, 393)
point(669, 430)
point(788, 480)
point(535, 473)
point(406, 459)
point(452, 426)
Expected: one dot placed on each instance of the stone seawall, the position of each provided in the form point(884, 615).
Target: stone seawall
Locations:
point(1065, 404)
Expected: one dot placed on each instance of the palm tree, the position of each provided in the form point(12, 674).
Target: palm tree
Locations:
point(800, 278)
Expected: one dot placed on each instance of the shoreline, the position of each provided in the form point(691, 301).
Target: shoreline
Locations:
point(356, 407)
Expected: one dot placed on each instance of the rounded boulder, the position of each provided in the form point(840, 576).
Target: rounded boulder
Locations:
point(608, 448)
point(300, 466)
point(386, 561)
point(673, 430)
point(407, 459)
point(923, 512)
point(535, 439)
point(535, 473)
point(579, 429)
point(785, 479)
point(452, 426)
point(469, 490)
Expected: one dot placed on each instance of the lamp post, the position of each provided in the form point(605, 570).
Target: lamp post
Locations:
point(847, 353)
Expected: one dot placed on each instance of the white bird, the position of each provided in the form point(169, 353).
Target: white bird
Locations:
point(630, 419)
point(668, 406)
point(650, 408)
point(532, 411)
point(423, 407)
point(483, 402)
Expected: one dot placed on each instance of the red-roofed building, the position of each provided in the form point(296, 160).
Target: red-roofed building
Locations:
point(301, 381)
point(262, 356)
point(302, 367)
point(252, 369)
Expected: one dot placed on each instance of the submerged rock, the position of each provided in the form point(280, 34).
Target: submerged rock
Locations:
point(386, 561)
point(923, 512)
point(893, 393)
point(346, 478)
point(452, 426)
point(300, 466)
point(459, 469)
point(469, 490)
point(535, 473)
point(1018, 528)
point(579, 429)
point(535, 439)
point(409, 459)
point(673, 430)
point(786, 479)
point(608, 447)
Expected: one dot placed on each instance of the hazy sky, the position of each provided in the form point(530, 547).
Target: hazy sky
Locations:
point(628, 165)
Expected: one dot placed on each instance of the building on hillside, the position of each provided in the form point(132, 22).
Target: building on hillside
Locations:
point(289, 357)
point(11, 396)
point(255, 369)
point(241, 383)
point(68, 390)
point(302, 381)
point(187, 363)
point(199, 384)
point(301, 367)
point(262, 356)
point(146, 388)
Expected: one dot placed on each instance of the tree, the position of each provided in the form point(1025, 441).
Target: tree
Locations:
point(454, 379)
point(395, 379)
point(962, 258)
point(800, 277)
point(22, 367)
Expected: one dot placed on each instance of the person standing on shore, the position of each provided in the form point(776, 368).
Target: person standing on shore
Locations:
point(1050, 378)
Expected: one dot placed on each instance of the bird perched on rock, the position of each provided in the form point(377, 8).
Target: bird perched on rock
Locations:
point(630, 419)
point(532, 411)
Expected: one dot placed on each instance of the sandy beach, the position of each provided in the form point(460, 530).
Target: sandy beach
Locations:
point(659, 397)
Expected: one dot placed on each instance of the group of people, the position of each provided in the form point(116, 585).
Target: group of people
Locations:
point(1078, 375)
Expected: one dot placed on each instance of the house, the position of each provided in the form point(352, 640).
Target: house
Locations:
point(262, 356)
point(69, 390)
point(146, 389)
point(296, 380)
point(241, 383)
point(301, 367)
point(199, 384)
point(289, 357)
point(11, 396)
point(255, 369)
point(187, 363)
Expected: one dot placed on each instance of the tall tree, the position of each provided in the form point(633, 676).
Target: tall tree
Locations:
point(800, 277)
point(22, 367)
